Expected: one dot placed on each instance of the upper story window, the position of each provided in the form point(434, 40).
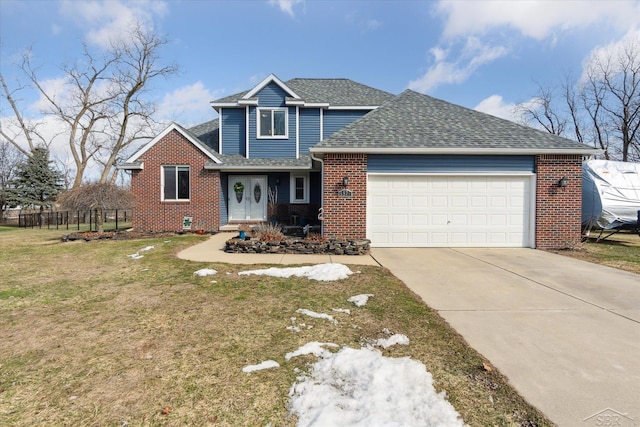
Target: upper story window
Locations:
point(175, 183)
point(272, 123)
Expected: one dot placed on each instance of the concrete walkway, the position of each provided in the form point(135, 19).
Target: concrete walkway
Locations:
point(211, 250)
point(565, 332)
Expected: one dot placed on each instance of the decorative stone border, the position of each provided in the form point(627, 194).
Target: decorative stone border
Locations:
point(299, 246)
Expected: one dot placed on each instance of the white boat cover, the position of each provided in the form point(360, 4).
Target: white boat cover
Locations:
point(610, 194)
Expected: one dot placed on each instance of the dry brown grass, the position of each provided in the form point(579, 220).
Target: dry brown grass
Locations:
point(620, 250)
point(92, 337)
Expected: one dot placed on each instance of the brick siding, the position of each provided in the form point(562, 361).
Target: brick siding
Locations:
point(558, 210)
point(153, 214)
point(345, 217)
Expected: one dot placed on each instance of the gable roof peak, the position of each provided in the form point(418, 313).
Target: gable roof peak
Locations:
point(271, 78)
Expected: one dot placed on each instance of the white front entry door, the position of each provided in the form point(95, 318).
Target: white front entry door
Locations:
point(247, 198)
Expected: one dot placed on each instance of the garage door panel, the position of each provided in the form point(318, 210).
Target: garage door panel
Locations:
point(442, 211)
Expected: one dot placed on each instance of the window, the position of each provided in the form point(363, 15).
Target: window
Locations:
point(299, 188)
point(175, 183)
point(272, 123)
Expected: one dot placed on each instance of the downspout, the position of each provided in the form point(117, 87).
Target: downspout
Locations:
point(321, 191)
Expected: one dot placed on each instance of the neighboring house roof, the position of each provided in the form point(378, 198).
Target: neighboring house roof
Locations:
point(325, 92)
point(415, 123)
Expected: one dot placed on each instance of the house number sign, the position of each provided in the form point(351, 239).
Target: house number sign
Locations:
point(345, 193)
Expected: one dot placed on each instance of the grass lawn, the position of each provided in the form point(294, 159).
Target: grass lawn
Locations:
point(621, 251)
point(89, 336)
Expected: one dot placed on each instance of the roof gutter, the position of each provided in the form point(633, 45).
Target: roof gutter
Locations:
point(223, 167)
point(448, 150)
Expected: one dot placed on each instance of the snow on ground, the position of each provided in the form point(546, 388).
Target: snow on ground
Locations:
point(341, 310)
point(321, 272)
point(362, 388)
point(205, 272)
point(267, 364)
point(359, 387)
point(316, 315)
point(392, 340)
point(316, 348)
point(137, 254)
point(360, 300)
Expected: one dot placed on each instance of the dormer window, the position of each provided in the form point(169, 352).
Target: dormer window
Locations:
point(272, 123)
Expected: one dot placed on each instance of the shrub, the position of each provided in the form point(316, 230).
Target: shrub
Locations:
point(268, 232)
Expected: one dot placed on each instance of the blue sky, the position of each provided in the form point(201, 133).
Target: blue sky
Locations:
point(487, 55)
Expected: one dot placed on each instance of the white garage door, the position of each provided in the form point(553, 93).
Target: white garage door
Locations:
point(449, 211)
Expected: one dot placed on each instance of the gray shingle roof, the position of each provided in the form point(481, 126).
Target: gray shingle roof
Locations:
point(208, 133)
point(237, 161)
point(415, 121)
point(336, 92)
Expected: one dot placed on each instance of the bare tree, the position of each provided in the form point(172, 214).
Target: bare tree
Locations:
point(10, 159)
point(103, 108)
point(22, 127)
point(603, 106)
point(541, 111)
point(96, 196)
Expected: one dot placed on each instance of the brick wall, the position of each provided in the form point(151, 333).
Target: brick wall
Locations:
point(345, 217)
point(558, 210)
point(153, 214)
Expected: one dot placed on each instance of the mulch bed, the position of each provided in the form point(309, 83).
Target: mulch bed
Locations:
point(114, 235)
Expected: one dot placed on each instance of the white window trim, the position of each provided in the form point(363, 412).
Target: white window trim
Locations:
point(162, 183)
point(286, 123)
point(292, 188)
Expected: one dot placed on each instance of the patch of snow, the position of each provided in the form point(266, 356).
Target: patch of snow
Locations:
point(135, 256)
point(320, 272)
point(293, 328)
point(267, 364)
point(392, 340)
point(363, 388)
point(146, 248)
point(205, 272)
point(316, 348)
point(316, 315)
point(341, 310)
point(360, 300)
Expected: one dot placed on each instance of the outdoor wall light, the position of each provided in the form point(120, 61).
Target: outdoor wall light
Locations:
point(345, 181)
point(563, 182)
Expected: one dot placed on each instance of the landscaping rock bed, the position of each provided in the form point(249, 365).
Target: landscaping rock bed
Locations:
point(113, 235)
point(299, 246)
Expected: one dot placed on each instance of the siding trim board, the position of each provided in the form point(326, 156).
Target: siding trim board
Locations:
point(450, 164)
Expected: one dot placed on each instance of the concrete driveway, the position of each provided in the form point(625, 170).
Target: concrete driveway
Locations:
point(565, 332)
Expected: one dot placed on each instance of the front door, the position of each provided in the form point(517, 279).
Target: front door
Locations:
point(247, 198)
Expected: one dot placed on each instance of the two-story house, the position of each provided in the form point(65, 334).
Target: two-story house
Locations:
point(400, 170)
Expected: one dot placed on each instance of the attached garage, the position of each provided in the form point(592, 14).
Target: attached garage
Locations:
point(409, 210)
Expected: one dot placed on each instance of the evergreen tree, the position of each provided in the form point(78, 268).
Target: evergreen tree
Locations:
point(36, 184)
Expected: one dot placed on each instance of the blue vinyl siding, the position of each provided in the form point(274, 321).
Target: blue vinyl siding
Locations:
point(334, 120)
point(272, 148)
point(309, 123)
point(449, 164)
point(271, 95)
point(233, 131)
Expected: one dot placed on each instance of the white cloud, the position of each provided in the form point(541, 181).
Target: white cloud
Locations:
point(286, 5)
point(109, 21)
point(535, 19)
point(188, 105)
point(496, 106)
point(469, 58)
point(630, 42)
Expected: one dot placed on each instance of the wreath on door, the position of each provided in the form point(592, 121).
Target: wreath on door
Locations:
point(238, 187)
